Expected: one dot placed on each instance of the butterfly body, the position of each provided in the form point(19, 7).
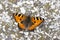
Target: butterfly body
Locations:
point(27, 22)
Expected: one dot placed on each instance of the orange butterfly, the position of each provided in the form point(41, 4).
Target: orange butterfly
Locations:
point(27, 22)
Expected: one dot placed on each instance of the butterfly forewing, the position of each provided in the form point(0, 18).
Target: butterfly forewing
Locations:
point(19, 17)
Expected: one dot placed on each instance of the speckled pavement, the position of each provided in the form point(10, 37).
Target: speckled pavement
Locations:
point(47, 9)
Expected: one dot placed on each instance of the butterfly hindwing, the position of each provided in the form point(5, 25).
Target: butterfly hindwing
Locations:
point(21, 26)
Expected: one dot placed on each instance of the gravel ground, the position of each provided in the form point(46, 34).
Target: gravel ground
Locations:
point(47, 9)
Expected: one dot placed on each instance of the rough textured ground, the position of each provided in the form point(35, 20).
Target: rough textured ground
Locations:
point(47, 9)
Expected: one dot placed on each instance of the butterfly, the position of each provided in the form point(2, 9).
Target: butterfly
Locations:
point(27, 22)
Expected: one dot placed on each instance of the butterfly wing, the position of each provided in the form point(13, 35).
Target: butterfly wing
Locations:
point(36, 22)
point(19, 18)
